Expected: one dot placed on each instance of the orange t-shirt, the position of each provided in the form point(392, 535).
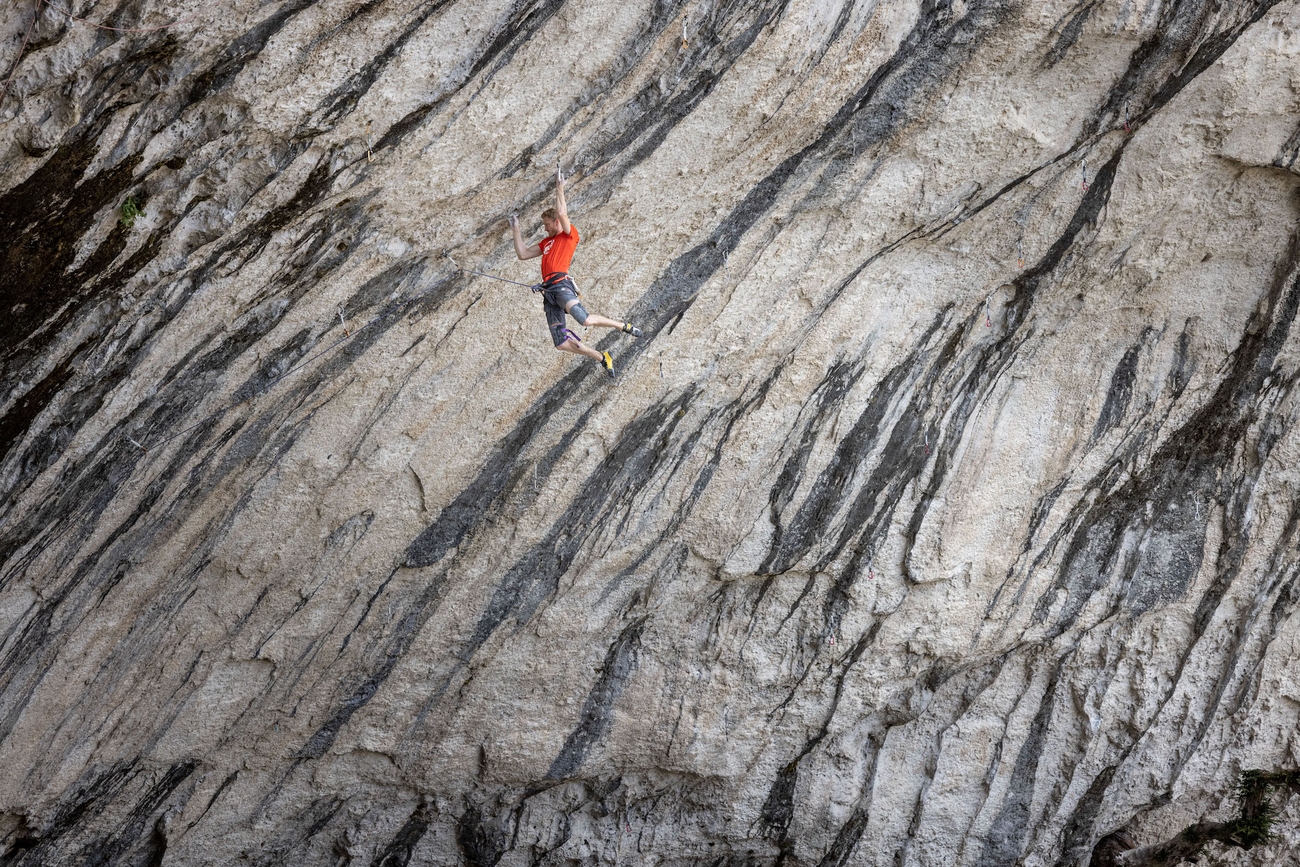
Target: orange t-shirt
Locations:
point(557, 251)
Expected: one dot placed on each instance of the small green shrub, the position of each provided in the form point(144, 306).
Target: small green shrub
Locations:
point(130, 210)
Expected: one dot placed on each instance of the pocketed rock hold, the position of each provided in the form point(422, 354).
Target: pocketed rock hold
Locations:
point(884, 548)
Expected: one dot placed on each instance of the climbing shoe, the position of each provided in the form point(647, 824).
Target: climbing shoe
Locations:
point(629, 328)
point(607, 361)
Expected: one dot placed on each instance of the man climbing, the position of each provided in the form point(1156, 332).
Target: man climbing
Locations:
point(559, 294)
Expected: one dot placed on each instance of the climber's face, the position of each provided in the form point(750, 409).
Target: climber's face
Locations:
point(551, 225)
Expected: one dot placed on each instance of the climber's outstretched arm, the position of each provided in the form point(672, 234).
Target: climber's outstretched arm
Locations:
point(561, 209)
point(523, 252)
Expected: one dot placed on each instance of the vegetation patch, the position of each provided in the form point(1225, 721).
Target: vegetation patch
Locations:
point(131, 209)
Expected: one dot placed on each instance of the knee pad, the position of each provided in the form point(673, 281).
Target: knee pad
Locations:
point(578, 312)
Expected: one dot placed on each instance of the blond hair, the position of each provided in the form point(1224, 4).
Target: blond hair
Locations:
point(550, 213)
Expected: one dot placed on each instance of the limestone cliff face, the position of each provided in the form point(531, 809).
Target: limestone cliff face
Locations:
point(884, 548)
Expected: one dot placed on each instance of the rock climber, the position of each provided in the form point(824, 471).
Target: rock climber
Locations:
point(559, 294)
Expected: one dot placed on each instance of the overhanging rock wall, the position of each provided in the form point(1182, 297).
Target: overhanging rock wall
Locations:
point(883, 549)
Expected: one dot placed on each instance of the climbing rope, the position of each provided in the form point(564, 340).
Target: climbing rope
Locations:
point(484, 273)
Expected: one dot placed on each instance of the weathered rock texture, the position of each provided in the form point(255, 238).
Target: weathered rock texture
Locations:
point(882, 549)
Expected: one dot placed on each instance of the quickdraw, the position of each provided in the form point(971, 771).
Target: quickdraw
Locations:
point(1085, 176)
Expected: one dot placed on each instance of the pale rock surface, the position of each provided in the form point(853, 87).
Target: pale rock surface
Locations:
point(883, 549)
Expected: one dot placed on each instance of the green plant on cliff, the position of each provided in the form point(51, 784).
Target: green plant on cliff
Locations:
point(1252, 826)
point(130, 210)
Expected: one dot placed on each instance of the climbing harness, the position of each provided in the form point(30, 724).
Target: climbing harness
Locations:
point(1085, 176)
point(553, 280)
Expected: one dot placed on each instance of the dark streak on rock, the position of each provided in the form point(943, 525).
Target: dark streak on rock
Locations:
point(132, 832)
point(481, 842)
point(400, 849)
point(42, 219)
point(1070, 31)
point(1120, 391)
point(1005, 839)
point(1158, 505)
point(344, 98)
point(1077, 838)
point(243, 49)
point(1181, 46)
point(594, 722)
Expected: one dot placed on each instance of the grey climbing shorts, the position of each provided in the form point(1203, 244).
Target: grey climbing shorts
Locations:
point(554, 300)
